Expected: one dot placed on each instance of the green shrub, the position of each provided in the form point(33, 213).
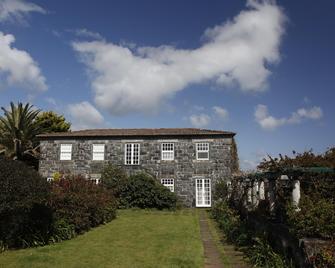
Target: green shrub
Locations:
point(62, 230)
point(325, 258)
point(144, 191)
point(25, 218)
point(229, 222)
point(258, 250)
point(316, 218)
point(114, 178)
point(262, 255)
point(81, 203)
point(221, 191)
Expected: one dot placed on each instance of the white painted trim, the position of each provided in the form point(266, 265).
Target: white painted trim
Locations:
point(202, 140)
point(98, 152)
point(167, 151)
point(62, 151)
point(196, 151)
point(132, 147)
point(202, 204)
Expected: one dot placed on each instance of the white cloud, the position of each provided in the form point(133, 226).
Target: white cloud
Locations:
point(16, 10)
point(85, 115)
point(51, 101)
point(17, 67)
point(88, 34)
point(253, 160)
point(269, 122)
point(138, 80)
point(221, 112)
point(200, 120)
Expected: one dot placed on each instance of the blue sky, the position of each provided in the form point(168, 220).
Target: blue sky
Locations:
point(262, 69)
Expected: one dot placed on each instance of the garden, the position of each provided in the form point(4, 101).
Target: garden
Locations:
point(284, 214)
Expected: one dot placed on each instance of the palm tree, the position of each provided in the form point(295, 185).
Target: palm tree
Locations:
point(18, 130)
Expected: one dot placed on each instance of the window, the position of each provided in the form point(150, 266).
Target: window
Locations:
point(169, 183)
point(202, 151)
point(167, 151)
point(98, 152)
point(132, 154)
point(65, 151)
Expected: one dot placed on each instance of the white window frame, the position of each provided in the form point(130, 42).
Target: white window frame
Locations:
point(203, 192)
point(169, 183)
point(98, 152)
point(201, 148)
point(65, 152)
point(166, 154)
point(132, 154)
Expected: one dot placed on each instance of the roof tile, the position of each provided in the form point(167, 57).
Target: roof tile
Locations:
point(128, 132)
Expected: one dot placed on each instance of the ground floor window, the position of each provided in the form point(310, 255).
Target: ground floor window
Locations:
point(169, 183)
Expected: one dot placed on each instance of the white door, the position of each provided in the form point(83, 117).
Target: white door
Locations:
point(203, 192)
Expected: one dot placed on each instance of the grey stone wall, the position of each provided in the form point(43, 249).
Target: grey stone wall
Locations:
point(184, 169)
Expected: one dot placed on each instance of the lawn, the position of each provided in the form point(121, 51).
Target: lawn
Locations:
point(137, 238)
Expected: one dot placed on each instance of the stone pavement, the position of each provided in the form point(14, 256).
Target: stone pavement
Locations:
point(213, 258)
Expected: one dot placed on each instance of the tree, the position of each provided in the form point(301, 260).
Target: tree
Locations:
point(51, 122)
point(18, 130)
point(305, 159)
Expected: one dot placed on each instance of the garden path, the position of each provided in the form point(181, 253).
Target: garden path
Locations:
point(213, 256)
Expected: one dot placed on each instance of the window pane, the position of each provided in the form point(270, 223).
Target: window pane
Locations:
point(167, 151)
point(98, 152)
point(132, 154)
point(169, 183)
point(202, 151)
point(203, 155)
point(65, 151)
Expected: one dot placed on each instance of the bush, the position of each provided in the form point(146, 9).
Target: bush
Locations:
point(262, 255)
point(229, 222)
point(144, 191)
point(80, 203)
point(25, 218)
point(325, 258)
point(114, 178)
point(316, 218)
point(221, 191)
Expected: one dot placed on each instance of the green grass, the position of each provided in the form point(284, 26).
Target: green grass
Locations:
point(137, 238)
point(229, 256)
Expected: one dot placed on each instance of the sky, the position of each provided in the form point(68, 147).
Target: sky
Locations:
point(262, 69)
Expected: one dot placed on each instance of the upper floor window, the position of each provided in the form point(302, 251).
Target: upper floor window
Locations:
point(202, 151)
point(169, 183)
point(65, 151)
point(98, 152)
point(167, 151)
point(132, 153)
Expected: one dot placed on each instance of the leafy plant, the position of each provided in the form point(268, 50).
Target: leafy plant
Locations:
point(229, 222)
point(144, 191)
point(316, 218)
point(262, 255)
point(114, 178)
point(25, 218)
point(81, 203)
point(18, 131)
point(325, 258)
point(305, 159)
point(51, 122)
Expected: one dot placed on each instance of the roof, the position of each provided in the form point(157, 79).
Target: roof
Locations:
point(137, 132)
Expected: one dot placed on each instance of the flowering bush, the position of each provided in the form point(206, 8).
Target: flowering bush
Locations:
point(81, 203)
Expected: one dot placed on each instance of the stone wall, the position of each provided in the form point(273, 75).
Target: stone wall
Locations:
point(184, 169)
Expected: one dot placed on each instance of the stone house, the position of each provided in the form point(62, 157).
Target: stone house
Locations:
point(188, 161)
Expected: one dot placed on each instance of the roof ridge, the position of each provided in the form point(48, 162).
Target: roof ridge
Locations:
point(137, 132)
